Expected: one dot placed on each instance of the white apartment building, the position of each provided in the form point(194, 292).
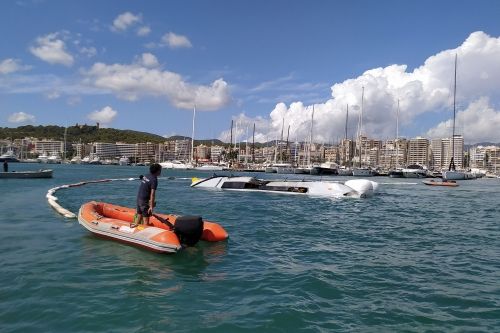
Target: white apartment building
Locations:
point(487, 158)
point(49, 146)
point(418, 151)
point(216, 153)
point(441, 152)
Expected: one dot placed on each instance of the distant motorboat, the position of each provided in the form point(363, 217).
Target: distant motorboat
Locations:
point(47, 173)
point(302, 171)
point(177, 165)
point(9, 157)
point(343, 171)
point(54, 159)
point(449, 183)
point(95, 161)
point(415, 171)
point(458, 175)
point(284, 168)
point(270, 169)
point(324, 169)
point(396, 173)
point(76, 160)
point(357, 188)
point(43, 158)
point(124, 161)
point(363, 172)
point(86, 160)
point(209, 167)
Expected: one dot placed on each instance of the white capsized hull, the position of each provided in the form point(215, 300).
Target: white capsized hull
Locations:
point(457, 175)
point(357, 188)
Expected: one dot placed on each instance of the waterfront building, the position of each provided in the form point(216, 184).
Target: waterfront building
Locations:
point(183, 149)
point(49, 146)
point(104, 150)
point(216, 153)
point(332, 154)
point(346, 151)
point(418, 151)
point(82, 149)
point(441, 152)
point(485, 157)
point(202, 152)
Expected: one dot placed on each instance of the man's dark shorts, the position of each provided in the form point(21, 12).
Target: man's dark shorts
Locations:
point(143, 208)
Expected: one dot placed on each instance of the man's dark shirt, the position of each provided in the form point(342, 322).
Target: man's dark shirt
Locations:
point(148, 183)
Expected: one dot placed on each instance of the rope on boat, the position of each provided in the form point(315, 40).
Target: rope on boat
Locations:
point(53, 200)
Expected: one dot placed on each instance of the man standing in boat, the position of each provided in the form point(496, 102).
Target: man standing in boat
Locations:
point(146, 195)
point(5, 166)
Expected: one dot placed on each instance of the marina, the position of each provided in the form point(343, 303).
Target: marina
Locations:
point(344, 253)
point(250, 166)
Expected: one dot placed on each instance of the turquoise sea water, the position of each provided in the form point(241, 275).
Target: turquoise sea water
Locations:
point(412, 258)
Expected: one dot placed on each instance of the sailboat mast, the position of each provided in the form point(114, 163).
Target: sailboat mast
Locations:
point(253, 144)
point(231, 140)
point(65, 136)
point(192, 135)
point(281, 140)
point(287, 137)
point(452, 161)
point(397, 136)
point(361, 124)
point(346, 158)
point(311, 137)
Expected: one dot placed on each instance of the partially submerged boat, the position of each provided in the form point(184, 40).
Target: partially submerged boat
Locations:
point(358, 188)
point(162, 236)
point(449, 183)
point(46, 173)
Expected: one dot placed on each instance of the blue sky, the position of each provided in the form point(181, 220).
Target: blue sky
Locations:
point(266, 52)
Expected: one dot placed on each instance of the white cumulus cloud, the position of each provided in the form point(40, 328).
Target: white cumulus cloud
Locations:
point(54, 94)
point(479, 122)
point(175, 41)
point(11, 65)
point(149, 60)
point(143, 31)
point(145, 78)
point(125, 20)
point(104, 116)
point(88, 51)
point(21, 117)
point(52, 49)
point(425, 89)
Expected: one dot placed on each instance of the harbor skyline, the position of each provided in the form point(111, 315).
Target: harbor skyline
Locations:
point(78, 69)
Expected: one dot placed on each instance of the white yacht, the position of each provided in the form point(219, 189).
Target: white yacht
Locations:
point(86, 160)
point(415, 171)
point(43, 158)
point(177, 165)
point(458, 175)
point(96, 160)
point(363, 172)
point(76, 160)
point(284, 168)
point(209, 167)
point(54, 158)
point(327, 168)
point(9, 156)
point(124, 161)
point(343, 171)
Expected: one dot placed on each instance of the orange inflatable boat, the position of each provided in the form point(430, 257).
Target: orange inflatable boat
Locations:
point(113, 222)
point(449, 183)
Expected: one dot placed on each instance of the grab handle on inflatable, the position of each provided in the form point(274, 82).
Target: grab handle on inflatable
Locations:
point(164, 221)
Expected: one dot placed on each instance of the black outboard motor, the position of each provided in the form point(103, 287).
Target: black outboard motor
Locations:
point(188, 229)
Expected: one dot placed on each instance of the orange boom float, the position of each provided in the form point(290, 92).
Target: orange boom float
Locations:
point(113, 222)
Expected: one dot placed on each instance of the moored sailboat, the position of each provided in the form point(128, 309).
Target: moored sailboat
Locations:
point(452, 173)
